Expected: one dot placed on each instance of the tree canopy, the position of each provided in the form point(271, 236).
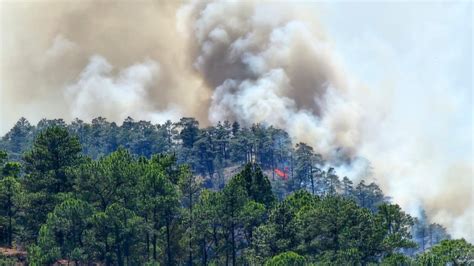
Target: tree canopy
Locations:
point(175, 194)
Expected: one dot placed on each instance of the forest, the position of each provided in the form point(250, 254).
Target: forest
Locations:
point(179, 194)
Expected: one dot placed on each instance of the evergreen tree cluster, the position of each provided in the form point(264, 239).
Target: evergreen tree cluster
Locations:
point(143, 194)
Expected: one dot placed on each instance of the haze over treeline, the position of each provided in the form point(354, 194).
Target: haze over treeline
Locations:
point(268, 63)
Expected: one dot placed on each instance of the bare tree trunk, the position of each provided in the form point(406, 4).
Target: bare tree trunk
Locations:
point(154, 247)
point(233, 245)
point(168, 242)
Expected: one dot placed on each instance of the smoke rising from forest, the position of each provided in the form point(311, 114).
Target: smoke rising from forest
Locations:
point(268, 63)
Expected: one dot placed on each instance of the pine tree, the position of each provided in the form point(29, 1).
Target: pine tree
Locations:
point(18, 138)
point(47, 164)
point(11, 199)
point(255, 184)
point(65, 230)
point(395, 225)
point(347, 188)
point(190, 188)
point(234, 198)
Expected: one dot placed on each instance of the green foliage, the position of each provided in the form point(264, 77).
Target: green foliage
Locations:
point(425, 234)
point(18, 138)
point(395, 225)
point(304, 166)
point(397, 259)
point(188, 131)
point(3, 157)
point(253, 214)
point(122, 229)
point(63, 235)
point(35, 256)
point(190, 188)
point(234, 198)
point(53, 153)
point(11, 200)
point(173, 194)
point(448, 252)
point(256, 185)
point(161, 204)
point(207, 225)
point(280, 233)
point(46, 251)
point(368, 196)
point(7, 260)
point(286, 258)
point(11, 169)
point(108, 180)
point(332, 228)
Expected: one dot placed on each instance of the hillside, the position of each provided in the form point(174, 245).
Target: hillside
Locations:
point(176, 194)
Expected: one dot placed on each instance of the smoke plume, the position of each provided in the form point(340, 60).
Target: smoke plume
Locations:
point(267, 63)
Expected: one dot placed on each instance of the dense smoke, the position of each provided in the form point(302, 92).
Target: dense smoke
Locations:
point(78, 53)
point(117, 97)
point(267, 63)
point(268, 67)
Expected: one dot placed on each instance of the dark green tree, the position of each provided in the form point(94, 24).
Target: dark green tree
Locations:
point(190, 187)
point(117, 233)
point(203, 154)
point(286, 258)
point(109, 180)
point(159, 201)
point(305, 167)
point(369, 196)
point(336, 230)
point(11, 200)
point(208, 224)
point(64, 232)
point(234, 198)
point(188, 129)
point(46, 164)
point(280, 233)
point(256, 185)
point(395, 226)
point(347, 189)
point(253, 215)
point(53, 153)
point(448, 252)
point(330, 182)
point(18, 138)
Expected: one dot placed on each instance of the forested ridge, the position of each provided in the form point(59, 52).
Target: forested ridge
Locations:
point(178, 194)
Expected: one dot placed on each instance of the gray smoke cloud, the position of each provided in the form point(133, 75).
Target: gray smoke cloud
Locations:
point(268, 67)
point(62, 58)
point(263, 62)
point(117, 96)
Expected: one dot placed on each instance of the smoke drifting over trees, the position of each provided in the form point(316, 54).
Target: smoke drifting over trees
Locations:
point(267, 63)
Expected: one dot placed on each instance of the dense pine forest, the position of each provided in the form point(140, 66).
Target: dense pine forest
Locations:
point(177, 194)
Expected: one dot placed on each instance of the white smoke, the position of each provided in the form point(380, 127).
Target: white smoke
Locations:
point(272, 64)
point(98, 91)
point(267, 67)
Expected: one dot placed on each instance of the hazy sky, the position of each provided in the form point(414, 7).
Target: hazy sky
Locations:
point(421, 51)
point(420, 54)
